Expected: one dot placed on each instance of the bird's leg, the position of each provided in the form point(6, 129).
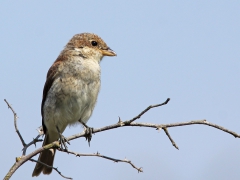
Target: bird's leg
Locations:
point(63, 140)
point(88, 132)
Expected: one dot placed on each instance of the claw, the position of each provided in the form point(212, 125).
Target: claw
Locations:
point(63, 141)
point(88, 133)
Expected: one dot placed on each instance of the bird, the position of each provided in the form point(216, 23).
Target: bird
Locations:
point(70, 91)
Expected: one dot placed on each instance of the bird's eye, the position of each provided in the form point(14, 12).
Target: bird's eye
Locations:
point(94, 43)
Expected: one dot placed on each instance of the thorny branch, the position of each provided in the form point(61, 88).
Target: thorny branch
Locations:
point(34, 141)
point(25, 146)
point(102, 156)
point(120, 123)
point(33, 160)
point(15, 123)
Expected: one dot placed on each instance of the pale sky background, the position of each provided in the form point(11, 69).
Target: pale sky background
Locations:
point(188, 51)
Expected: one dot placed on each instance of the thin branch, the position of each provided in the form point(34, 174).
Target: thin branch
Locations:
point(168, 135)
point(15, 123)
point(203, 122)
point(163, 126)
point(102, 156)
point(21, 160)
point(33, 160)
point(34, 141)
point(147, 109)
point(25, 146)
point(120, 123)
point(156, 126)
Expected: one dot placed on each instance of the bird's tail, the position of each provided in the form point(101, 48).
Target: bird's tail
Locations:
point(46, 157)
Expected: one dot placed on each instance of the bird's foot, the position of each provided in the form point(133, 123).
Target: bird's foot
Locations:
point(63, 141)
point(88, 133)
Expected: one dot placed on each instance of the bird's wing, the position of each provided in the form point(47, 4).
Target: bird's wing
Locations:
point(49, 81)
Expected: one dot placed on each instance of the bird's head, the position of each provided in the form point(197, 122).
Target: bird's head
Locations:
point(90, 46)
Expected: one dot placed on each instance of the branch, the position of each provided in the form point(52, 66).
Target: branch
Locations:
point(102, 156)
point(21, 160)
point(50, 167)
point(168, 135)
point(25, 146)
point(15, 123)
point(156, 126)
point(34, 141)
point(147, 109)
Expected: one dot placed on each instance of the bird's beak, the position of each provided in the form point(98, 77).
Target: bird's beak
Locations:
point(108, 52)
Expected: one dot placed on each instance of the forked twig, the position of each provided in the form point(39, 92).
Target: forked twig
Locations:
point(34, 141)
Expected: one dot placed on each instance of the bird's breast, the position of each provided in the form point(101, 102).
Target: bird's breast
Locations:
point(73, 93)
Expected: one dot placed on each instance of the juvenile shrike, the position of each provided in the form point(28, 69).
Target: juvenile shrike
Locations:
point(70, 91)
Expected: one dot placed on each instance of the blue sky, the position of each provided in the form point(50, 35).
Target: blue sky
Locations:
point(188, 51)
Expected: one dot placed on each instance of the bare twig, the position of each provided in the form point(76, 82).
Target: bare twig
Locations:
point(102, 156)
point(147, 109)
point(168, 135)
point(25, 146)
point(15, 123)
point(31, 143)
point(33, 160)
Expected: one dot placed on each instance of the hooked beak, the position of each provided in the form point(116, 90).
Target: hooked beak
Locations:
point(108, 52)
